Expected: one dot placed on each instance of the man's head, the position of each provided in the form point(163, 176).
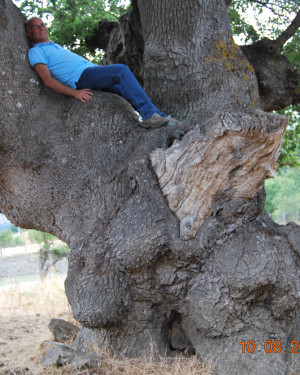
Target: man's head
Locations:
point(36, 30)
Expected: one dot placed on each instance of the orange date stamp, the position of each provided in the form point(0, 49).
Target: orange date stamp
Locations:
point(269, 347)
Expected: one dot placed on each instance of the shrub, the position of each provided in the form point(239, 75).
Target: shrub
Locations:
point(8, 239)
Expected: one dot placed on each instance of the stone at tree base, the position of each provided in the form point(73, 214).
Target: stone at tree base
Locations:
point(178, 340)
point(62, 330)
point(61, 355)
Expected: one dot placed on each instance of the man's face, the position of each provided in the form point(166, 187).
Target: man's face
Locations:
point(37, 31)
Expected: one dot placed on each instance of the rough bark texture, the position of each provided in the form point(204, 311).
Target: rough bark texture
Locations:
point(190, 173)
point(277, 78)
point(83, 172)
point(190, 44)
point(122, 41)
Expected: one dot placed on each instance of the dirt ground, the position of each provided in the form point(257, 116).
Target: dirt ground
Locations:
point(26, 308)
point(27, 305)
point(24, 315)
point(25, 312)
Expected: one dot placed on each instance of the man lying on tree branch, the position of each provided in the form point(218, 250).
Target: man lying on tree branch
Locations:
point(71, 74)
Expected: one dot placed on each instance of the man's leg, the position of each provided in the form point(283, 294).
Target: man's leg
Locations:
point(120, 80)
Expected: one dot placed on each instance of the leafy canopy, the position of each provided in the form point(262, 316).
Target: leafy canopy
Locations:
point(254, 19)
point(47, 241)
point(8, 239)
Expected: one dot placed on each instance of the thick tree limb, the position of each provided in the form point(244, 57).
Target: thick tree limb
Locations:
point(277, 78)
point(123, 41)
point(289, 32)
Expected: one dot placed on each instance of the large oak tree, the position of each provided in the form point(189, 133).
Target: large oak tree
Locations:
point(170, 243)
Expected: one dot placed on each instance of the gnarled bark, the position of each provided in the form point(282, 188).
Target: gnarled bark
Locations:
point(193, 50)
point(277, 78)
point(191, 175)
point(83, 172)
point(122, 41)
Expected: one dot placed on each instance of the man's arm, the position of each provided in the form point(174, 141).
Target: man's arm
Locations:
point(45, 75)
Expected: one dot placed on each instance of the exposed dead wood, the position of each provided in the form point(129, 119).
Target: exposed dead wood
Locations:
point(231, 155)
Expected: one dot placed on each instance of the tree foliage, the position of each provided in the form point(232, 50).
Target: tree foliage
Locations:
point(283, 195)
point(47, 241)
point(269, 19)
point(292, 50)
point(290, 151)
point(240, 26)
point(7, 239)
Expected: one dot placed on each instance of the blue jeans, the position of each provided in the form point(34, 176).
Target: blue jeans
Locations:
point(118, 79)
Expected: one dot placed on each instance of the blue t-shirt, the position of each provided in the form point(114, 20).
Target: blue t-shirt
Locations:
point(64, 65)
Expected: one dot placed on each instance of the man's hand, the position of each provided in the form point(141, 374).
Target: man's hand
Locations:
point(44, 73)
point(83, 95)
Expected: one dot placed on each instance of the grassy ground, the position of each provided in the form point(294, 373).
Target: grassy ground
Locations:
point(25, 311)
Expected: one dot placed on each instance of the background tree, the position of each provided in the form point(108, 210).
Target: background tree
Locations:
point(283, 196)
point(7, 239)
point(50, 252)
point(290, 152)
point(170, 244)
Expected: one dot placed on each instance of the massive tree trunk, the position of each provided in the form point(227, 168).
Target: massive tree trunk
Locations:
point(170, 244)
point(123, 42)
point(192, 65)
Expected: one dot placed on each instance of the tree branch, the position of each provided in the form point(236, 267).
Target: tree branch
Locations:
point(289, 32)
point(271, 6)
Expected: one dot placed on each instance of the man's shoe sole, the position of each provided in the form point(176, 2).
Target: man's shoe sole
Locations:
point(154, 126)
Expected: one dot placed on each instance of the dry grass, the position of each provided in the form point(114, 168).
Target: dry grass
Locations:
point(110, 365)
point(24, 316)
